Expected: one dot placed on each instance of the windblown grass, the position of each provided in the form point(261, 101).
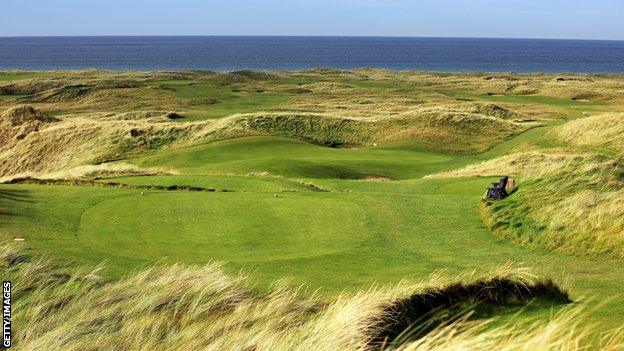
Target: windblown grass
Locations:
point(78, 140)
point(562, 332)
point(99, 171)
point(18, 122)
point(600, 131)
point(526, 165)
point(199, 307)
point(566, 202)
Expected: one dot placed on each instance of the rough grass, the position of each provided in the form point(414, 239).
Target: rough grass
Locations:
point(566, 202)
point(79, 140)
point(440, 112)
point(18, 122)
point(570, 200)
point(199, 307)
point(601, 131)
point(577, 210)
point(527, 165)
point(22, 114)
point(562, 332)
point(99, 171)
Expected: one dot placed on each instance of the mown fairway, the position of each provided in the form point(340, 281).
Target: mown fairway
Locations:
point(329, 218)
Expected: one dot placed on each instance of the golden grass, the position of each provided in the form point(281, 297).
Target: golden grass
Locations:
point(573, 204)
point(23, 114)
point(80, 91)
point(586, 221)
point(83, 139)
point(17, 122)
point(562, 332)
point(200, 307)
point(86, 172)
point(600, 131)
point(527, 165)
point(385, 102)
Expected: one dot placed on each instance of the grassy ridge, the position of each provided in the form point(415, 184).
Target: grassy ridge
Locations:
point(580, 211)
point(571, 198)
point(603, 131)
point(75, 141)
point(108, 116)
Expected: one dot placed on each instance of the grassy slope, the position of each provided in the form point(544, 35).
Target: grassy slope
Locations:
point(602, 132)
point(297, 159)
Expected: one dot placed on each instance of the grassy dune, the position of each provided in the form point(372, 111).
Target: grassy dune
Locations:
point(105, 116)
point(571, 204)
point(570, 200)
point(582, 213)
point(331, 180)
point(602, 131)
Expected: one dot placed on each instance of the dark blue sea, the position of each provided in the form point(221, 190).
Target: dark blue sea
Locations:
point(223, 53)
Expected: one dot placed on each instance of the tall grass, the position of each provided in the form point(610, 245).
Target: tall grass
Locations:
point(567, 201)
point(200, 307)
point(600, 131)
point(78, 140)
point(529, 165)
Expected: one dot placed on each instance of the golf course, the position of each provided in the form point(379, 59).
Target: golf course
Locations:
point(332, 185)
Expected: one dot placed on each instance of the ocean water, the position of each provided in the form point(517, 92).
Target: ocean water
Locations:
point(223, 53)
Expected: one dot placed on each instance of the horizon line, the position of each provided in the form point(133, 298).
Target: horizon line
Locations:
point(296, 36)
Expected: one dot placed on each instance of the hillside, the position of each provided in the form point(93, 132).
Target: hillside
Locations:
point(601, 131)
point(571, 199)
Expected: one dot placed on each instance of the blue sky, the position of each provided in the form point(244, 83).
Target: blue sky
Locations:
point(581, 19)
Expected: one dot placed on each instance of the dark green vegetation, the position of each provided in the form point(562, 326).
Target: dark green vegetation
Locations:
point(334, 218)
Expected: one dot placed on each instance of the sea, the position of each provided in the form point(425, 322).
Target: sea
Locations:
point(229, 53)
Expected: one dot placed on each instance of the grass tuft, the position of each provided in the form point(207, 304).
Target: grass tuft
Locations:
point(191, 307)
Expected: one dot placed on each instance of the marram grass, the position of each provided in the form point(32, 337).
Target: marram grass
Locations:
point(201, 308)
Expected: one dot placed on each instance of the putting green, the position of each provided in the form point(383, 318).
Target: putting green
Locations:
point(233, 227)
point(298, 159)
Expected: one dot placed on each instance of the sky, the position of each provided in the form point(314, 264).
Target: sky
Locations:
point(573, 19)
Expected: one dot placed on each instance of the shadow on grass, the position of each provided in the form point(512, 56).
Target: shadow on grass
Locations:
point(413, 317)
point(9, 195)
point(15, 195)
